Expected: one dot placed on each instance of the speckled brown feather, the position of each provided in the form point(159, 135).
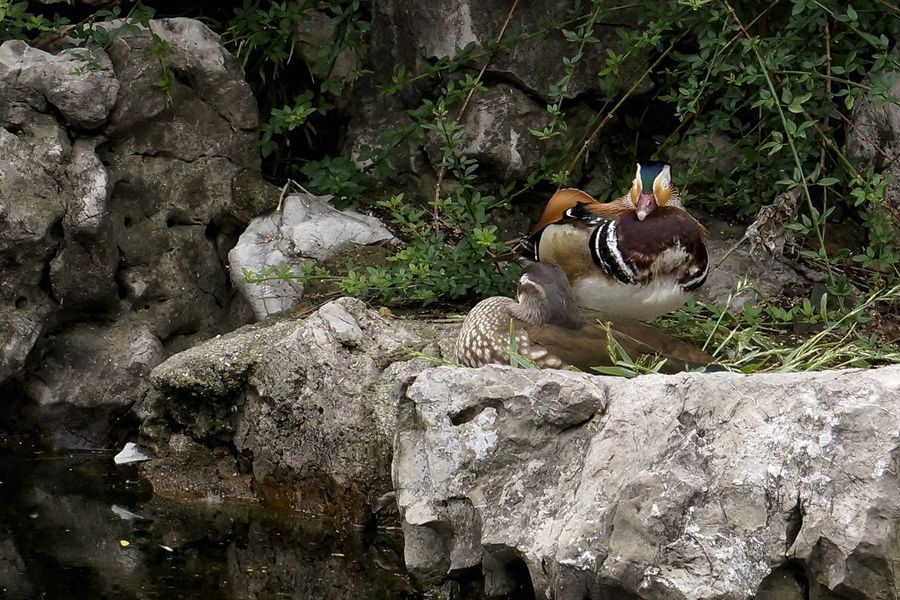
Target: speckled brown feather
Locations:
point(485, 335)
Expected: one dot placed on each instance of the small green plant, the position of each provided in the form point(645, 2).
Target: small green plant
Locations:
point(158, 50)
point(624, 365)
point(336, 176)
point(763, 337)
point(296, 92)
point(89, 62)
point(17, 22)
point(97, 30)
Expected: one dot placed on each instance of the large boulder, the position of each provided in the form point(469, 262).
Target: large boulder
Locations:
point(682, 487)
point(308, 405)
point(498, 125)
point(405, 35)
point(116, 216)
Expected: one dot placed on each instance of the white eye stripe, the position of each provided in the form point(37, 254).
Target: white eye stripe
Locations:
point(664, 179)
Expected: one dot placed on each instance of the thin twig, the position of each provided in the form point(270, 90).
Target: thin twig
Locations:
point(889, 5)
point(282, 195)
point(869, 139)
point(462, 110)
point(690, 116)
point(590, 139)
point(790, 138)
point(826, 124)
point(89, 21)
point(827, 78)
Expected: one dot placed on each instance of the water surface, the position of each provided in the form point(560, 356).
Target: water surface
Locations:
point(77, 526)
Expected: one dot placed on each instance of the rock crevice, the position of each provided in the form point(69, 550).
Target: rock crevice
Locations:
point(680, 487)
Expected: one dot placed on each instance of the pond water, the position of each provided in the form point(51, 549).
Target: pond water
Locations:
point(77, 526)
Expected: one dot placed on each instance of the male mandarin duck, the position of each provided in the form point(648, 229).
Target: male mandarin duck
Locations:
point(550, 331)
point(639, 256)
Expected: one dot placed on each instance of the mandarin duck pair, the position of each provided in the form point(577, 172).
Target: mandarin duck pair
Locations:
point(632, 259)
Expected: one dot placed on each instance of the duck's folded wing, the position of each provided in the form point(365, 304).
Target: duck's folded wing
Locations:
point(569, 206)
point(589, 346)
point(654, 341)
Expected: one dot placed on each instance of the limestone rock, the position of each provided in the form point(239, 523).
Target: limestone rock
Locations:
point(311, 404)
point(32, 168)
point(497, 128)
point(120, 233)
point(405, 32)
point(876, 122)
point(518, 86)
point(80, 83)
point(84, 380)
point(306, 228)
point(773, 277)
point(209, 89)
point(90, 184)
point(316, 32)
point(665, 487)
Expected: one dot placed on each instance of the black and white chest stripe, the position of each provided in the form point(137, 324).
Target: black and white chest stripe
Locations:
point(604, 246)
point(697, 274)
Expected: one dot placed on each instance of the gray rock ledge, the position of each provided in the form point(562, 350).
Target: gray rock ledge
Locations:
point(683, 487)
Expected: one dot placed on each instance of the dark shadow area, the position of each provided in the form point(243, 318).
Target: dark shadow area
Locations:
point(77, 526)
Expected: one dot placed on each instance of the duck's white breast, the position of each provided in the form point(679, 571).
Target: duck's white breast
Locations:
point(642, 302)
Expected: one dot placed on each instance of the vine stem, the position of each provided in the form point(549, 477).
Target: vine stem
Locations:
point(726, 48)
point(827, 124)
point(89, 21)
point(462, 109)
point(797, 163)
point(590, 139)
point(889, 5)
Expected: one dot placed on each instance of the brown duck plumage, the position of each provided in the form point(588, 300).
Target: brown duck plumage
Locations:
point(637, 257)
point(548, 329)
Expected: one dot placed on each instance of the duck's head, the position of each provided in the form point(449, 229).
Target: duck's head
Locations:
point(652, 187)
point(545, 297)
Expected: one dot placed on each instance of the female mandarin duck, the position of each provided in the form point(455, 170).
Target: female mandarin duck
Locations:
point(639, 256)
point(549, 330)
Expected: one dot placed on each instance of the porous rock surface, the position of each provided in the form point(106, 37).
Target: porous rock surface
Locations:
point(780, 486)
point(308, 404)
point(772, 277)
point(405, 33)
point(119, 201)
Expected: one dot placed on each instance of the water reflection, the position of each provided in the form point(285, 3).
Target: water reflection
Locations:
point(76, 526)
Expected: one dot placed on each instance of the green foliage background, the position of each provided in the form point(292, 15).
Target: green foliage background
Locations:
point(777, 79)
